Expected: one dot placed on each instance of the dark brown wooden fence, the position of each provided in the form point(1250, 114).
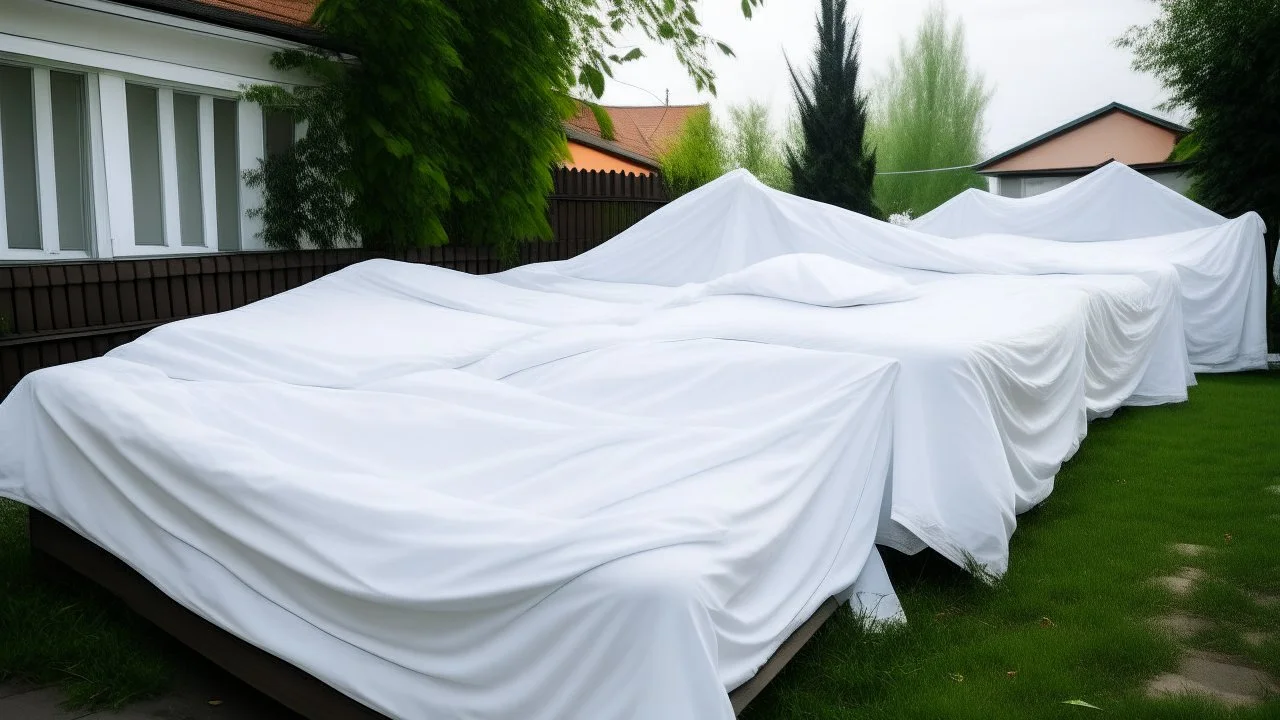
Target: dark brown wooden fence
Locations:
point(53, 313)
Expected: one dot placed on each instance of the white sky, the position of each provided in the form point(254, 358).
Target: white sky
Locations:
point(1048, 61)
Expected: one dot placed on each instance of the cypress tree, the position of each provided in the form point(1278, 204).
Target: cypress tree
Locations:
point(832, 165)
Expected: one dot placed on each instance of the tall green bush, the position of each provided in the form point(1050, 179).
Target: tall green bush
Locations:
point(928, 115)
point(833, 164)
point(754, 145)
point(696, 156)
point(446, 124)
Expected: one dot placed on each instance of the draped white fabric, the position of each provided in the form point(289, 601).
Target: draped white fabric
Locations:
point(1221, 263)
point(1114, 202)
point(1003, 357)
point(314, 474)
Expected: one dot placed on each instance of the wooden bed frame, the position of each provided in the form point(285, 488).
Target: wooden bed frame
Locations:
point(54, 547)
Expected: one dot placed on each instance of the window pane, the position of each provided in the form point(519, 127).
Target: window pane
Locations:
point(18, 151)
point(278, 132)
point(226, 171)
point(142, 106)
point(70, 159)
point(1011, 187)
point(186, 130)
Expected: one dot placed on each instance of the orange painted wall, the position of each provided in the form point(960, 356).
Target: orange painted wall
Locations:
point(589, 158)
point(1115, 135)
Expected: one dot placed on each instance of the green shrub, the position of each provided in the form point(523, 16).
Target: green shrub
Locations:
point(697, 155)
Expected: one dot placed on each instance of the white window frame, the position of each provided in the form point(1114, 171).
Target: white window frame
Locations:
point(46, 183)
point(119, 164)
point(111, 191)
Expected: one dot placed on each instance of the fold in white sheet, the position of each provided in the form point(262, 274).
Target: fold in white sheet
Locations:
point(439, 544)
point(1123, 219)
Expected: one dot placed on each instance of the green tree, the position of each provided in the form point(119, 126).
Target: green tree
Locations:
point(755, 146)
point(453, 116)
point(445, 127)
point(1220, 59)
point(928, 115)
point(696, 156)
point(833, 165)
point(596, 26)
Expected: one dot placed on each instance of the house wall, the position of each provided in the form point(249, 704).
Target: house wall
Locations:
point(1176, 180)
point(1116, 135)
point(589, 158)
point(1019, 186)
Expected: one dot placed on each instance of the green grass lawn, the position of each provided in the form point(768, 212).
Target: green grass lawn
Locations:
point(1071, 620)
point(71, 635)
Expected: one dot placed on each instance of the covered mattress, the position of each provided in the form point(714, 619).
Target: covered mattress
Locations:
point(1118, 218)
point(1114, 202)
point(437, 543)
point(736, 221)
point(997, 378)
point(998, 374)
point(1003, 355)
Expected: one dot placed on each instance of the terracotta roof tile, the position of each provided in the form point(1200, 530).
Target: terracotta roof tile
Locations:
point(645, 130)
point(292, 12)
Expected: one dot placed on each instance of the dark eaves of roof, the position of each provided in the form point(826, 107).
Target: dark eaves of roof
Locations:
point(1084, 170)
point(195, 10)
point(1061, 129)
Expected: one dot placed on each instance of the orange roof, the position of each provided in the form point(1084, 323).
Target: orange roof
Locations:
point(292, 12)
point(643, 130)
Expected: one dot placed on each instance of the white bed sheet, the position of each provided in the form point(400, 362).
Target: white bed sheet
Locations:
point(998, 376)
point(736, 221)
point(998, 373)
point(438, 544)
point(1114, 202)
point(1116, 337)
point(1120, 218)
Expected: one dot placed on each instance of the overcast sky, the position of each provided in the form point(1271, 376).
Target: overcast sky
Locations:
point(1047, 61)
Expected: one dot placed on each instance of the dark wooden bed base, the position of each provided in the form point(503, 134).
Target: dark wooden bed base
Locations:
point(54, 544)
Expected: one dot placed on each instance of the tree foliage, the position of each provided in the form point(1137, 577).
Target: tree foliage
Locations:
point(305, 190)
point(833, 165)
point(453, 116)
point(1220, 59)
point(596, 26)
point(445, 127)
point(696, 156)
point(928, 114)
point(754, 145)
point(398, 114)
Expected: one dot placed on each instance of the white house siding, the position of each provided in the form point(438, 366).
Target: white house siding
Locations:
point(88, 62)
point(1176, 180)
point(1020, 186)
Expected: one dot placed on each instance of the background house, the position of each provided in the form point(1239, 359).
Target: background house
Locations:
point(640, 134)
point(1068, 152)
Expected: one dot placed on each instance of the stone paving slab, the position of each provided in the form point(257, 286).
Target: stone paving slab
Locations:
point(1220, 677)
point(42, 704)
point(15, 687)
